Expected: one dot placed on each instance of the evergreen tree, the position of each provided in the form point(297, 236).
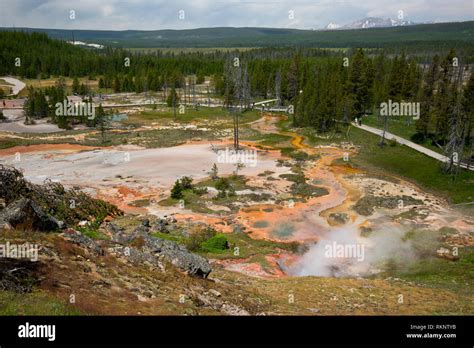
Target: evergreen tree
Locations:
point(117, 85)
point(177, 191)
point(357, 87)
point(101, 121)
point(76, 87)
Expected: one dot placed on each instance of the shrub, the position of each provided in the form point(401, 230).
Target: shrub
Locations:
point(217, 243)
point(186, 183)
point(214, 172)
point(200, 190)
point(195, 240)
point(222, 184)
point(177, 190)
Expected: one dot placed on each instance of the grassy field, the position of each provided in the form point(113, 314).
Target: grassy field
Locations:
point(211, 116)
point(399, 126)
point(439, 273)
point(5, 83)
point(212, 123)
point(45, 83)
point(179, 50)
point(5, 86)
point(403, 162)
point(414, 166)
point(34, 303)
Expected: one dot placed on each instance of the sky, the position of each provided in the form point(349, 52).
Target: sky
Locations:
point(187, 14)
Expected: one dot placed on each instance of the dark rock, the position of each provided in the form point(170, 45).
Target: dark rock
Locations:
point(365, 231)
point(83, 241)
point(138, 257)
point(24, 213)
point(119, 235)
point(367, 204)
point(141, 230)
point(101, 283)
point(338, 218)
point(161, 226)
point(146, 223)
point(172, 252)
point(18, 275)
point(114, 229)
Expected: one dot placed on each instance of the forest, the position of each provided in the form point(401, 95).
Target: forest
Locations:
point(325, 88)
point(433, 35)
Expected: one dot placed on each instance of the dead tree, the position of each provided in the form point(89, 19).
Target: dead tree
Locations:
point(246, 94)
point(455, 145)
point(278, 88)
point(385, 128)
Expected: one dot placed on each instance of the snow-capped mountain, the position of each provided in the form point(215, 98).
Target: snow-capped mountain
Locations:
point(371, 22)
point(332, 26)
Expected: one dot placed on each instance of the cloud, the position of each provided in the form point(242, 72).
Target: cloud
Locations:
point(164, 14)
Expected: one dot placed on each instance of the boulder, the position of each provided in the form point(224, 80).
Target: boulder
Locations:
point(138, 257)
point(24, 213)
point(338, 219)
point(162, 226)
point(83, 241)
point(172, 252)
point(446, 254)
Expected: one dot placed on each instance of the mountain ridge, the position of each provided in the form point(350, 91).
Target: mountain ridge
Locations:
point(373, 22)
point(265, 37)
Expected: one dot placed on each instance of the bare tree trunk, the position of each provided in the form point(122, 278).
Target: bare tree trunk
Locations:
point(278, 88)
point(385, 127)
point(174, 106)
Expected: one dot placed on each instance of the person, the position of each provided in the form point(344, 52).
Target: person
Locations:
point(357, 121)
point(4, 104)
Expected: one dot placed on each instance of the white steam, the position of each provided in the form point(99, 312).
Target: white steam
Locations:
point(344, 253)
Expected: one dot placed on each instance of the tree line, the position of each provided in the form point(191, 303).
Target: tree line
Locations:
point(324, 88)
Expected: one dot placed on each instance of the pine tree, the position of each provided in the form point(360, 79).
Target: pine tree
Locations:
point(214, 172)
point(101, 121)
point(468, 107)
point(117, 85)
point(177, 191)
point(76, 86)
point(293, 77)
point(358, 84)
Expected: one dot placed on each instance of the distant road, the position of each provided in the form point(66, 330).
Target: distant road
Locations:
point(17, 84)
point(414, 146)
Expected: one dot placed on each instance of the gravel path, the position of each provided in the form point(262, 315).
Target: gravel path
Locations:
point(414, 146)
point(17, 84)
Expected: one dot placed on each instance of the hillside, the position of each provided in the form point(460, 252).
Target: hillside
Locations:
point(259, 37)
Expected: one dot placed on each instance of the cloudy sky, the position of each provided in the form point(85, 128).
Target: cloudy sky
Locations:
point(184, 14)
